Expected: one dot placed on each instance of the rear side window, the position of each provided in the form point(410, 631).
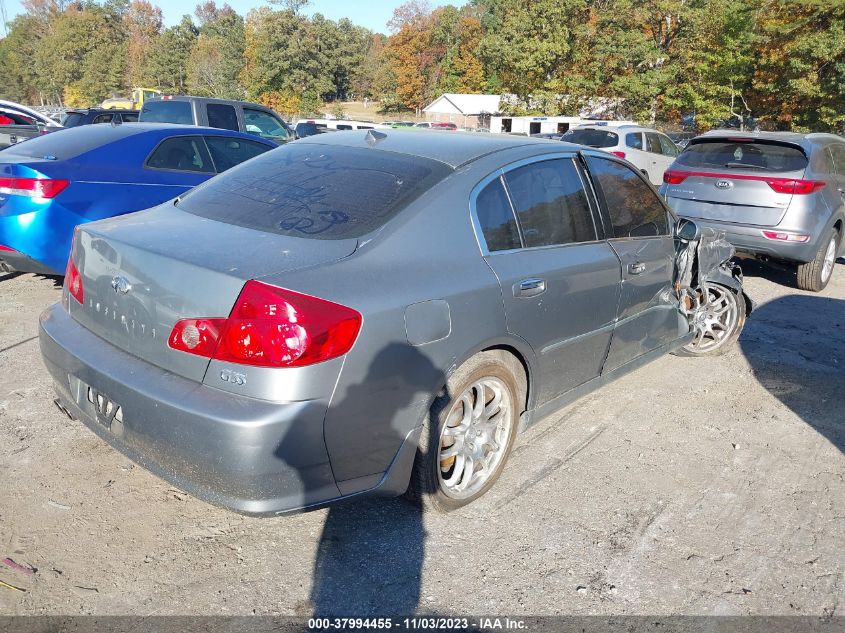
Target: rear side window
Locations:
point(495, 216)
point(164, 111)
point(592, 138)
point(316, 191)
point(181, 153)
point(838, 153)
point(634, 140)
point(265, 125)
point(743, 154)
point(635, 209)
point(550, 203)
point(222, 116)
point(228, 152)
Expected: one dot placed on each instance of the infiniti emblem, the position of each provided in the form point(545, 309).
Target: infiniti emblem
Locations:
point(724, 184)
point(120, 284)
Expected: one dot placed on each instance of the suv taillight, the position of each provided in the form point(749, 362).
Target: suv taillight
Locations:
point(73, 281)
point(271, 327)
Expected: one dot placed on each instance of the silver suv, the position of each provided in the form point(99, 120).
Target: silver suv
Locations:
point(777, 195)
point(648, 150)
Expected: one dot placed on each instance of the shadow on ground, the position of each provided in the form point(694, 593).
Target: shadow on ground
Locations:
point(796, 348)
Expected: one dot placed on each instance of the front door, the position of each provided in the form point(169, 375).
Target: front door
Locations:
point(560, 284)
point(641, 235)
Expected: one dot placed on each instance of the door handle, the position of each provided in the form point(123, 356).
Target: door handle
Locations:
point(636, 268)
point(529, 288)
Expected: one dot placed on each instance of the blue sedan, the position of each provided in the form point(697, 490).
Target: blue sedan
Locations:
point(49, 185)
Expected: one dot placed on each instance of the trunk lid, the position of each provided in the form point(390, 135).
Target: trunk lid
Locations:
point(144, 271)
point(729, 180)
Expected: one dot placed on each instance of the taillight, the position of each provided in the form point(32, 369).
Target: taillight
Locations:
point(674, 177)
point(73, 281)
point(785, 237)
point(271, 327)
point(800, 187)
point(619, 154)
point(7, 249)
point(32, 187)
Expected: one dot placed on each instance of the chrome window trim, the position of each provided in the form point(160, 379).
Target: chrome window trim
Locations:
point(500, 173)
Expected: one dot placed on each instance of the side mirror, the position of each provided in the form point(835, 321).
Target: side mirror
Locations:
point(687, 230)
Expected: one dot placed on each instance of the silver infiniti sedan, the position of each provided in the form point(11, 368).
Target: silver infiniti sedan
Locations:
point(376, 312)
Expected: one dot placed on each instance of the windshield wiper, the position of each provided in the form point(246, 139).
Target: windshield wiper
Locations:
point(746, 166)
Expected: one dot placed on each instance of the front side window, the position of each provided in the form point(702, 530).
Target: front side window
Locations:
point(635, 209)
point(228, 152)
point(496, 219)
point(222, 116)
point(550, 203)
point(265, 125)
point(668, 147)
point(181, 153)
point(103, 118)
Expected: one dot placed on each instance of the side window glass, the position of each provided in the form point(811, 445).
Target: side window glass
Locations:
point(103, 118)
point(496, 218)
point(838, 153)
point(222, 116)
point(228, 152)
point(182, 153)
point(634, 140)
point(668, 147)
point(653, 143)
point(264, 125)
point(550, 203)
point(635, 209)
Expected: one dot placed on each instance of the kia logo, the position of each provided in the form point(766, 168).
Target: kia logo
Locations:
point(120, 284)
point(724, 184)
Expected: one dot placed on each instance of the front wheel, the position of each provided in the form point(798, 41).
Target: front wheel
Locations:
point(469, 433)
point(717, 318)
point(815, 275)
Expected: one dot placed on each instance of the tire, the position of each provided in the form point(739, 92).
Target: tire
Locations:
point(815, 275)
point(731, 321)
point(501, 376)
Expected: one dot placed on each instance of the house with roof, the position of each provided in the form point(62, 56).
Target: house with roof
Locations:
point(464, 110)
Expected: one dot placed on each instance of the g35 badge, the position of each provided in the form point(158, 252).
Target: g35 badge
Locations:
point(233, 377)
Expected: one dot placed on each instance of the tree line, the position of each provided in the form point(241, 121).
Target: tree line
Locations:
point(779, 61)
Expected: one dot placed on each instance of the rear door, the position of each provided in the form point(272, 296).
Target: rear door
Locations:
point(560, 281)
point(657, 163)
point(640, 230)
point(735, 179)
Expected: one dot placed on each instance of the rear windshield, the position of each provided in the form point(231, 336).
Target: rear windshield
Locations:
point(167, 112)
point(66, 143)
point(73, 119)
point(743, 154)
point(317, 191)
point(591, 138)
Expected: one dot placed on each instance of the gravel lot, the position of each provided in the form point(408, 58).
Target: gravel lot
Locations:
point(692, 486)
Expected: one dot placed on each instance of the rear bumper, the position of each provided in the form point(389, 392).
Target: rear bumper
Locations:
point(749, 239)
point(248, 455)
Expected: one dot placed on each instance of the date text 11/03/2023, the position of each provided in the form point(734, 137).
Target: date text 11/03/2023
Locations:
point(417, 624)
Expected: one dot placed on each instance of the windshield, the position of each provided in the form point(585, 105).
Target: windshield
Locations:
point(742, 154)
point(315, 191)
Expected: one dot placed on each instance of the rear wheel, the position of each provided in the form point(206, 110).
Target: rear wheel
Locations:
point(469, 433)
point(815, 275)
point(717, 317)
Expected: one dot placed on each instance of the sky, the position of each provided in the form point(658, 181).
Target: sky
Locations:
point(372, 14)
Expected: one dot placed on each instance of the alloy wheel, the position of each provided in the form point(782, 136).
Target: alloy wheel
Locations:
point(714, 318)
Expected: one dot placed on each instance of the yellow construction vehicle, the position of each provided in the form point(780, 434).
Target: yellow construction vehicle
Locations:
point(135, 102)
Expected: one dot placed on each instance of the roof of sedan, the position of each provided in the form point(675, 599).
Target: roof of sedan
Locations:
point(452, 148)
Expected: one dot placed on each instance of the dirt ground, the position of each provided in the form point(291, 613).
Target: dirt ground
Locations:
point(692, 486)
